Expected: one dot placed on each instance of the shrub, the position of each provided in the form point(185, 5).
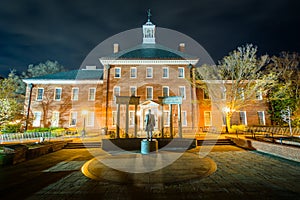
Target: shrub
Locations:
point(11, 128)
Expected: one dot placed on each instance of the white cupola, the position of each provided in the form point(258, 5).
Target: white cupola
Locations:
point(149, 31)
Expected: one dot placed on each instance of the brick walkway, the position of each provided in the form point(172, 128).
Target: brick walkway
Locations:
point(240, 175)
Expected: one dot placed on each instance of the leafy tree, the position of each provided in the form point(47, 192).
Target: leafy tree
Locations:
point(285, 92)
point(239, 75)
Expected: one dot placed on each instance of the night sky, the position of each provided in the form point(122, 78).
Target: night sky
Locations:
point(33, 31)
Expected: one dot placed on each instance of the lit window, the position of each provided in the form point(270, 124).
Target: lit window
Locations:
point(75, 94)
point(92, 94)
point(149, 93)
point(117, 91)
point(259, 95)
point(243, 118)
point(37, 119)
point(165, 91)
point(133, 72)
point(149, 72)
point(40, 93)
point(132, 91)
point(207, 118)
point(90, 119)
point(184, 118)
point(180, 72)
point(182, 91)
point(73, 118)
point(117, 72)
point(165, 72)
point(55, 119)
point(57, 95)
point(261, 118)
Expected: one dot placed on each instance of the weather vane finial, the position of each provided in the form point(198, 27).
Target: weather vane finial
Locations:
point(149, 14)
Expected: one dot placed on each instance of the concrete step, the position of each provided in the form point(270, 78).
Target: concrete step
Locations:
point(214, 142)
point(80, 145)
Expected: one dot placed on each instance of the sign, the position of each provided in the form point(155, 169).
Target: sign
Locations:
point(171, 100)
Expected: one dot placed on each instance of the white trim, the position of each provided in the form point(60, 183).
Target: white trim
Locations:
point(135, 74)
point(245, 114)
point(183, 71)
point(120, 72)
point(147, 93)
point(263, 119)
point(207, 123)
point(135, 88)
point(113, 61)
point(75, 117)
point(167, 68)
point(37, 94)
point(184, 118)
point(54, 120)
point(55, 93)
point(63, 82)
point(37, 121)
point(163, 91)
point(151, 69)
point(94, 96)
point(184, 89)
point(72, 94)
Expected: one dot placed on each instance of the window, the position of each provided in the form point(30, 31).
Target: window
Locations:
point(261, 118)
point(57, 94)
point(182, 91)
point(73, 118)
point(132, 91)
point(133, 72)
point(243, 118)
point(114, 118)
point(259, 95)
point(184, 118)
point(207, 118)
point(180, 72)
point(149, 72)
point(116, 92)
point(75, 94)
point(40, 93)
point(241, 94)
point(117, 72)
point(165, 72)
point(90, 119)
point(149, 93)
point(131, 118)
point(92, 94)
point(166, 118)
point(37, 119)
point(165, 91)
point(55, 119)
point(205, 94)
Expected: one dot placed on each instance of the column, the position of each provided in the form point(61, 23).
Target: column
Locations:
point(135, 120)
point(127, 120)
point(179, 121)
point(162, 120)
point(171, 122)
point(118, 122)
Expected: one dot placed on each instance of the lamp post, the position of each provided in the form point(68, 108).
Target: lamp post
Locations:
point(84, 113)
point(30, 86)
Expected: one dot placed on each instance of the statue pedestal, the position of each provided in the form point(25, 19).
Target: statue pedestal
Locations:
point(149, 146)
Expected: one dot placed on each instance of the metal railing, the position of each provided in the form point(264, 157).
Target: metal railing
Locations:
point(20, 137)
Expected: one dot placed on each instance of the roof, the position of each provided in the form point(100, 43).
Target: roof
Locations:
point(72, 75)
point(150, 51)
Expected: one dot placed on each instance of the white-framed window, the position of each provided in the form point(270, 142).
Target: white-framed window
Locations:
point(57, 94)
point(182, 92)
point(149, 72)
point(37, 117)
point(165, 91)
point(133, 72)
point(207, 118)
point(205, 94)
point(116, 92)
point(73, 118)
point(92, 94)
point(114, 118)
point(133, 91)
point(165, 73)
point(117, 72)
point(131, 118)
point(90, 119)
point(261, 118)
point(259, 95)
point(55, 119)
point(184, 118)
point(75, 94)
point(166, 118)
point(40, 94)
point(243, 118)
point(180, 72)
point(149, 93)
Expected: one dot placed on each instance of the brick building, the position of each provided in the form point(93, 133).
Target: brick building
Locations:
point(93, 99)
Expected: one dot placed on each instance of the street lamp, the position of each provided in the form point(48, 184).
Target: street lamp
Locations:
point(84, 113)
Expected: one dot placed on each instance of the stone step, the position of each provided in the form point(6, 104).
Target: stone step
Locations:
point(214, 142)
point(80, 145)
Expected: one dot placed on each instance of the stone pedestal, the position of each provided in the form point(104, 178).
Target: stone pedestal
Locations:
point(149, 146)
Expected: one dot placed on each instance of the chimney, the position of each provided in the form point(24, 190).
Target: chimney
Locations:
point(181, 47)
point(116, 48)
